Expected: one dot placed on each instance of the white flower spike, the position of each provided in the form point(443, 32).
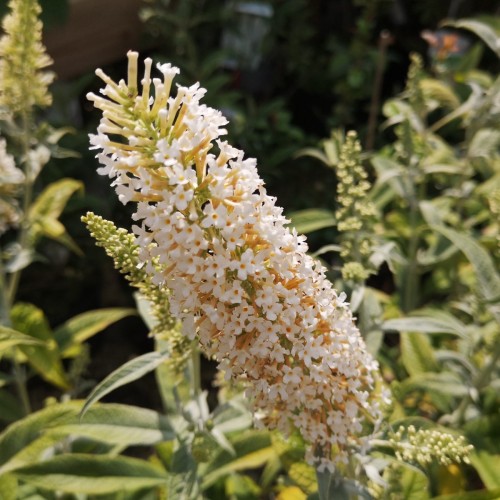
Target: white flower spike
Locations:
point(241, 280)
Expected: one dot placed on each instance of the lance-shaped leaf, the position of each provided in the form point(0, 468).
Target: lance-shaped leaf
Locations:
point(118, 424)
point(426, 321)
point(128, 372)
point(31, 439)
point(11, 338)
point(488, 279)
point(78, 329)
point(44, 213)
point(22, 434)
point(44, 358)
point(92, 474)
point(312, 219)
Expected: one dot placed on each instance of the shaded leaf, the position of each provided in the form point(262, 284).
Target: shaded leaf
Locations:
point(92, 474)
point(44, 358)
point(11, 408)
point(488, 34)
point(80, 328)
point(488, 467)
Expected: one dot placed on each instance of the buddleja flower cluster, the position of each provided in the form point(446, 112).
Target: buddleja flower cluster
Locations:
point(241, 280)
point(426, 445)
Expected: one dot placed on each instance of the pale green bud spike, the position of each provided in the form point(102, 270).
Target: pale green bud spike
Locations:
point(424, 446)
point(356, 214)
point(23, 81)
point(120, 245)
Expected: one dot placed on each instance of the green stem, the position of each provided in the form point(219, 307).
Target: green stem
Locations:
point(20, 381)
point(195, 372)
point(27, 199)
point(412, 279)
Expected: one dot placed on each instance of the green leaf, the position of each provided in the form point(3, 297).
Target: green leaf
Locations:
point(11, 408)
point(426, 324)
point(8, 487)
point(472, 495)
point(417, 354)
point(439, 91)
point(309, 220)
point(44, 213)
point(414, 484)
point(120, 425)
point(128, 372)
point(394, 175)
point(252, 460)
point(444, 383)
point(11, 338)
point(488, 34)
point(484, 144)
point(23, 433)
point(253, 449)
point(488, 467)
point(80, 328)
point(486, 272)
point(29, 440)
point(45, 358)
point(92, 474)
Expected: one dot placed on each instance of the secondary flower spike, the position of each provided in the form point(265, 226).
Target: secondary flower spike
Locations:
point(241, 280)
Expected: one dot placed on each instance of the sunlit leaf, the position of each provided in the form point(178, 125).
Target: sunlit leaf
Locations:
point(426, 324)
point(291, 493)
point(128, 372)
point(488, 467)
point(92, 474)
point(313, 219)
point(47, 208)
point(10, 338)
point(417, 354)
point(472, 495)
point(9, 487)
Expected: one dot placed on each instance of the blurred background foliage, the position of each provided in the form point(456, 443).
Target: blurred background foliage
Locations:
point(293, 76)
point(313, 68)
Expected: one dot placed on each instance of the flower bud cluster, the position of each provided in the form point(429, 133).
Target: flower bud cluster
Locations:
point(120, 245)
point(426, 445)
point(240, 279)
point(24, 81)
point(356, 214)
